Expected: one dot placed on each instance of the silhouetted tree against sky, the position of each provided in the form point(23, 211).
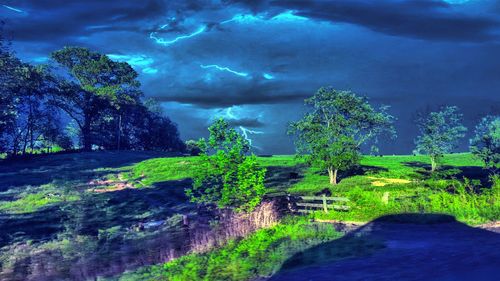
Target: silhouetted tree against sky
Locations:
point(338, 123)
point(439, 133)
point(100, 83)
point(8, 66)
point(27, 119)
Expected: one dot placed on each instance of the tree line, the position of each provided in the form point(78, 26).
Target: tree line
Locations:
point(339, 123)
point(83, 99)
point(331, 136)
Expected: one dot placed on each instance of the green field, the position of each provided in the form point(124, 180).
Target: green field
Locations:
point(101, 195)
point(461, 188)
point(406, 179)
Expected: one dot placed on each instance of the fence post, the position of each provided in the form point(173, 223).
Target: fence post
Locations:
point(325, 207)
point(385, 198)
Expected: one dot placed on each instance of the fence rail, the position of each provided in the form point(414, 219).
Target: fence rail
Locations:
point(309, 204)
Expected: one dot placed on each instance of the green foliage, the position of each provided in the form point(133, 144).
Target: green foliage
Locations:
point(485, 143)
point(225, 175)
point(192, 147)
point(258, 255)
point(465, 200)
point(439, 133)
point(105, 88)
point(339, 123)
point(106, 104)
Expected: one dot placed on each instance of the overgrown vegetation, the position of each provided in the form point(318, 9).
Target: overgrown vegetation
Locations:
point(258, 255)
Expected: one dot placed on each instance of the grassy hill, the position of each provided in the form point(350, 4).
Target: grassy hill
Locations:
point(101, 196)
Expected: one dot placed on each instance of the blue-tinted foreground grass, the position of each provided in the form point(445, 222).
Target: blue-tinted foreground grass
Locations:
point(460, 189)
point(404, 182)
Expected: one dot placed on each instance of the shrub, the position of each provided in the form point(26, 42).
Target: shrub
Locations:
point(226, 176)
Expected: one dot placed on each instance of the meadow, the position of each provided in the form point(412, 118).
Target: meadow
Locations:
point(93, 201)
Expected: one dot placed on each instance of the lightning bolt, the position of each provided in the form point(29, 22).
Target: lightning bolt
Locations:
point(268, 76)
point(221, 68)
point(164, 42)
point(13, 9)
point(244, 131)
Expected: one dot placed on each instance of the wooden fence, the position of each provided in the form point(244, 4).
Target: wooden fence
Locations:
point(309, 204)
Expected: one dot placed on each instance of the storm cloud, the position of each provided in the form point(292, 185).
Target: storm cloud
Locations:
point(254, 62)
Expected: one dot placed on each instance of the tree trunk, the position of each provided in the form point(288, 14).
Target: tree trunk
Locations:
point(86, 135)
point(119, 131)
point(433, 164)
point(332, 174)
point(25, 141)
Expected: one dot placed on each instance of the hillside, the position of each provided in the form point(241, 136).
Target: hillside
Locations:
point(102, 197)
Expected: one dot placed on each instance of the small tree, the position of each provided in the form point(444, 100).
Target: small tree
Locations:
point(485, 143)
point(331, 134)
point(192, 147)
point(439, 133)
point(226, 175)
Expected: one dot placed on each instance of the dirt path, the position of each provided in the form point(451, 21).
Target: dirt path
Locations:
point(444, 251)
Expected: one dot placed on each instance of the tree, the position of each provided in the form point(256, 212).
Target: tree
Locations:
point(439, 133)
point(9, 65)
point(226, 175)
point(27, 120)
point(192, 147)
point(485, 143)
point(337, 125)
point(158, 132)
point(99, 83)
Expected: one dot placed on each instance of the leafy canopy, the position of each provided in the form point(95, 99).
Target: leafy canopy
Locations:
point(486, 141)
point(226, 175)
point(439, 132)
point(337, 125)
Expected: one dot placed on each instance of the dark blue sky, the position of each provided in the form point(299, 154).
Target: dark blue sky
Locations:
point(254, 62)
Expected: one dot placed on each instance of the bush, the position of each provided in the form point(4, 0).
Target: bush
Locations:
point(227, 177)
point(193, 148)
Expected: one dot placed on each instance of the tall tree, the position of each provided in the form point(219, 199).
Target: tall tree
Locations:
point(25, 115)
point(9, 66)
point(99, 83)
point(439, 133)
point(485, 143)
point(338, 123)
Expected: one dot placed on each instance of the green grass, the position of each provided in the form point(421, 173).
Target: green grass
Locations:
point(258, 255)
point(35, 198)
point(421, 193)
point(264, 252)
point(57, 180)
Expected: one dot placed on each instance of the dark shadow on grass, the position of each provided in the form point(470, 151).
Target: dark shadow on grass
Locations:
point(356, 171)
point(280, 178)
point(77, 167)
point(97, 211)
point(401, 247)
point(451, 172)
